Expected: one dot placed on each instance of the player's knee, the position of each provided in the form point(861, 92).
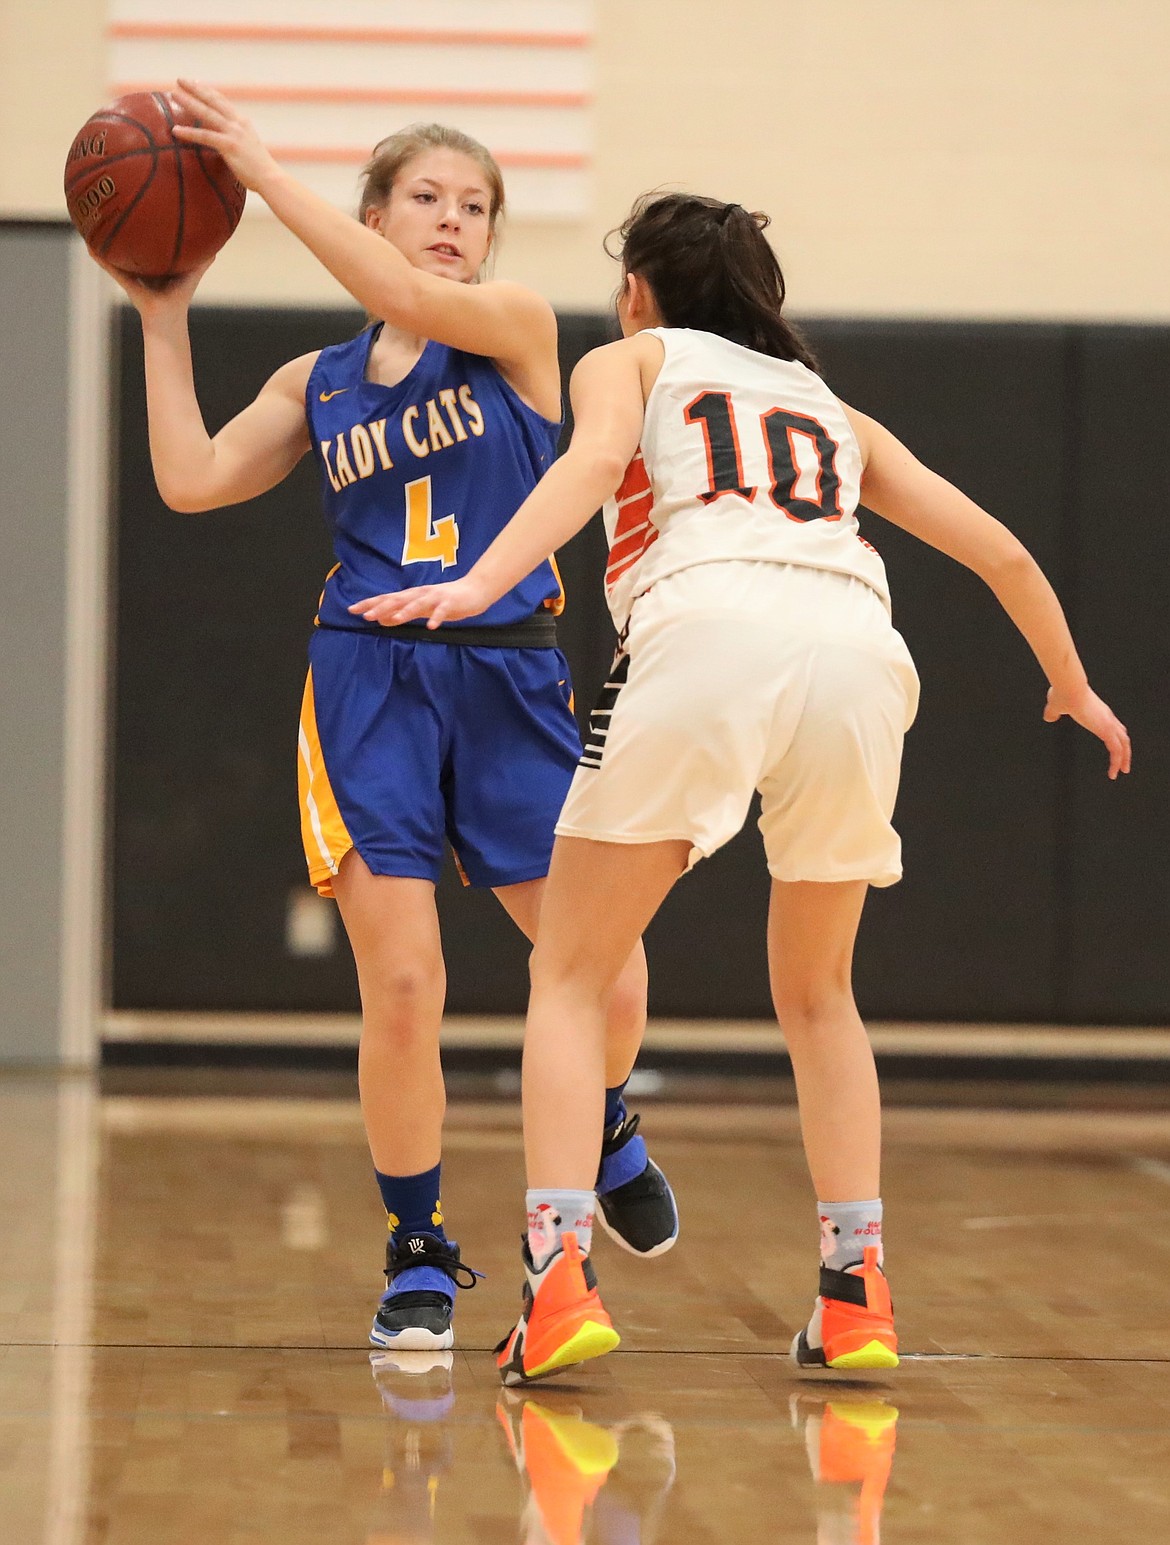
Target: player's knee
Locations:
point(578, 975)
point(807, 1006)
point(403, 1000)
point(627, 1004)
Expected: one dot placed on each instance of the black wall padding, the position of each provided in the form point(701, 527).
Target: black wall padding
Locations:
point(1115, 837)
point(1034, 889)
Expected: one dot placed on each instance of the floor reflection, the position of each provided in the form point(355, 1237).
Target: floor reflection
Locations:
point(185, 1290)
point(418, 1396)
point(579, 1480)
point(606, 1482)
point(850, 1441)
point(584, 1480)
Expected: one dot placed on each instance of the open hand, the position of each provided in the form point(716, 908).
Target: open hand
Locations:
point(1097, 717)
point(226, 130)
point(438, 603)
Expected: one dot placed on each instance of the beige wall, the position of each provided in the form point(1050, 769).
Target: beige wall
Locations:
point(52, 75)
point(919, 157)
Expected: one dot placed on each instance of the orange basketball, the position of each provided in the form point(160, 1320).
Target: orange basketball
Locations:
point(144, 201)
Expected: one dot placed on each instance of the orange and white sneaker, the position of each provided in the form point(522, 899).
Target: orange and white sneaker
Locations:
point(852, 1325)
point(564, 1321)
point(564, 1460)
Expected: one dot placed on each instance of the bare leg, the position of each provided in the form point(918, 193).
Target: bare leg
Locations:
point(393, 928)
point(626, 1017)
point(811, 932)
point(598, 900)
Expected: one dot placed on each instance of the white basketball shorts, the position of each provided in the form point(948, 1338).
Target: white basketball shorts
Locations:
point(738, 676)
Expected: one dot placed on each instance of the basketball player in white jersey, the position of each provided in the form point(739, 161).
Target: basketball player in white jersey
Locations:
point(757, 652)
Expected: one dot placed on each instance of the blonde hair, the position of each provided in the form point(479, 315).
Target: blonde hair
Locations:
point(396, 150)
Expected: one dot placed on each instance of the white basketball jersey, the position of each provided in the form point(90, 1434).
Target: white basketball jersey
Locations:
point(742, 457)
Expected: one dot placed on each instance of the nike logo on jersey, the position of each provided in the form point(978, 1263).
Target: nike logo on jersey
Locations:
point(329, 396)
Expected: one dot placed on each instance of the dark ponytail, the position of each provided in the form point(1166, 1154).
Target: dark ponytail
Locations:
point(710, 267)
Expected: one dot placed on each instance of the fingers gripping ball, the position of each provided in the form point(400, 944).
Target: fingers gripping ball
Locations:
point(144, 201)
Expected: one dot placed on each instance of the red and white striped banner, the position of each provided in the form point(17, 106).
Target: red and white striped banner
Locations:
point(324, 83)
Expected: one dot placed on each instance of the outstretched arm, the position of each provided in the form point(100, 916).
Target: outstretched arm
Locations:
point(608, 410)
point(897, 486)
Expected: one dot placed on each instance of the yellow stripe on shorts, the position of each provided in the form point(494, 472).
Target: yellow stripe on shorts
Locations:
point(323, 831)
point(556, 603)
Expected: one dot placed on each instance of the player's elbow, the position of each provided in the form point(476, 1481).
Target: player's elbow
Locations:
point(183, 483)
point(610, 470)
point(603, 466)
point(1009, 560)
point(184, 501)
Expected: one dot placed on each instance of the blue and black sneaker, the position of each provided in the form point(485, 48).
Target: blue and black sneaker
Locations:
point(636, 1206)
point(422, 1275)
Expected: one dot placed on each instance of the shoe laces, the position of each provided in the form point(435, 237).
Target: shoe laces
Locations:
point(620, 1135)
point(444, 1256)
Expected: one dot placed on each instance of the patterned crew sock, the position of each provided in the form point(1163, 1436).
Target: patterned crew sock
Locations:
point(553, 1213)
point(846, 1229)
point(615, 1106)
point(412, 1203)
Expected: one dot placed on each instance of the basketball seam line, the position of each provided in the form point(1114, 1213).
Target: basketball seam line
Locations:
point(132, 206)
point(180, 180)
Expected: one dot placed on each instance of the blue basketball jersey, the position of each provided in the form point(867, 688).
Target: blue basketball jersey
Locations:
point(419, 478)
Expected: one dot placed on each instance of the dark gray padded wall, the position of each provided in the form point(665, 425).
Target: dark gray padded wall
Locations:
point(971, 930)
point(1116, 964)
point(1020, 900)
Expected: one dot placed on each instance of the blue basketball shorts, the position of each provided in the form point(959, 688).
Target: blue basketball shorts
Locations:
point(404, 744)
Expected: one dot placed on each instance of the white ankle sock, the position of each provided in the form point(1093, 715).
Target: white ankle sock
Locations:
point(553, 1213)
point(847, 1228)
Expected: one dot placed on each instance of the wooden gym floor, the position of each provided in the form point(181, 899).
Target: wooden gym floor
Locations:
point(186, 1282)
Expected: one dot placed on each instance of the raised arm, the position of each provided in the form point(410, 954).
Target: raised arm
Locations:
point(608, 396)
point(502, 321)
point(256, 450)
point(896, 486)
point(252, 453)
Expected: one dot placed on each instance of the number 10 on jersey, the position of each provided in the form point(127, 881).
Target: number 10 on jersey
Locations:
point(802, 458)
point(427, 540)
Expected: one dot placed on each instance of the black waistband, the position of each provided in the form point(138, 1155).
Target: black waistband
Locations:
point(536, 632)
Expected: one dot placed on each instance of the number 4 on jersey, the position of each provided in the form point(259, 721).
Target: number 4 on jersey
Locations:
point(427, 540)
point(802, 458)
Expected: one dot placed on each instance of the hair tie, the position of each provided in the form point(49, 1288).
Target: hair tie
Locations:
point(726, 213)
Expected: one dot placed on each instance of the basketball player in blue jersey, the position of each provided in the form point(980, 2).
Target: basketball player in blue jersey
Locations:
point(429, 428)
